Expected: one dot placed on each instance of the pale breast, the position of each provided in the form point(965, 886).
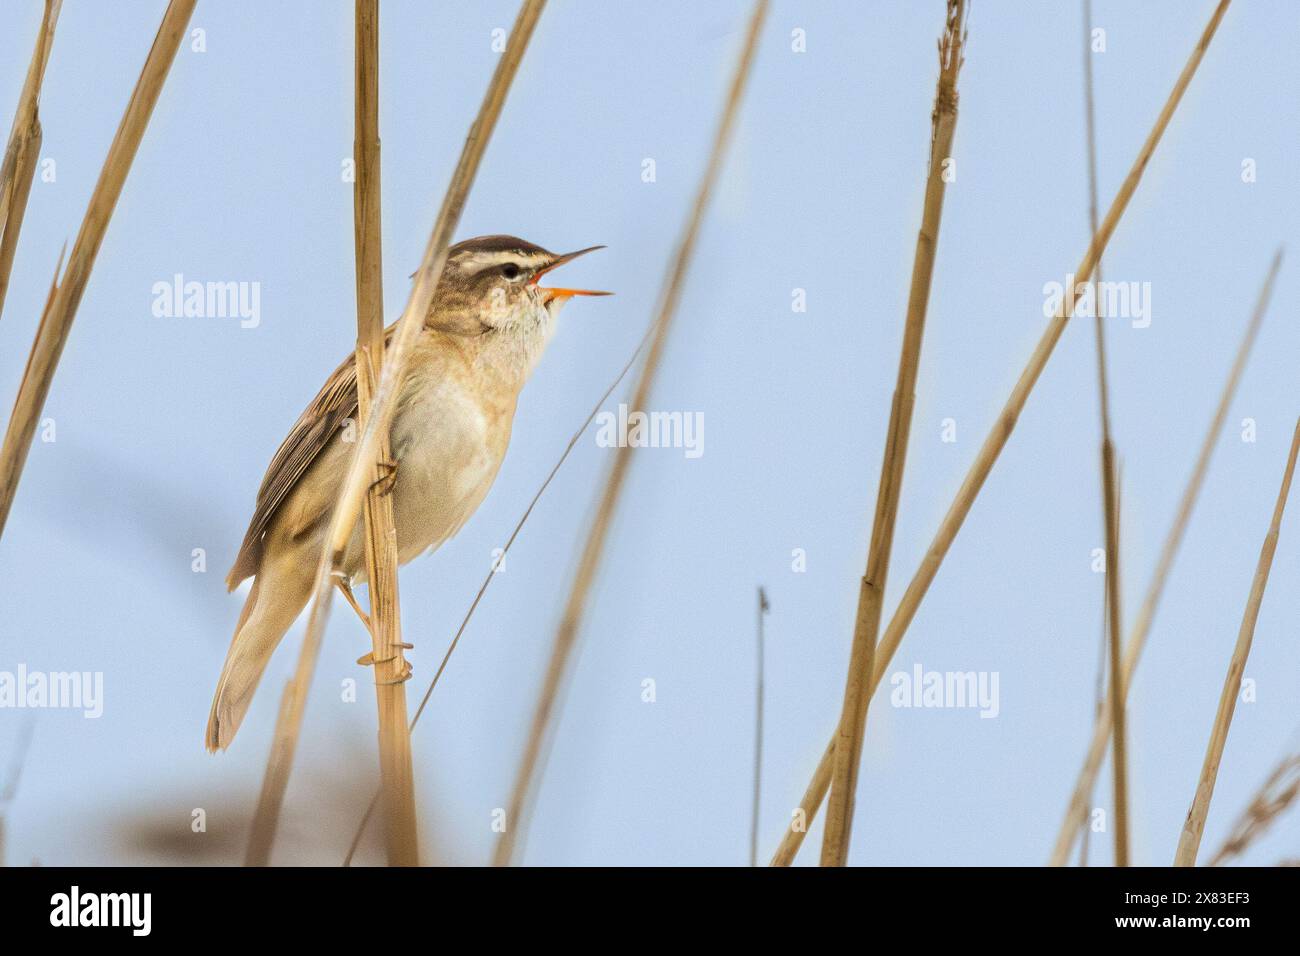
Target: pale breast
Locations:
point(449, 448)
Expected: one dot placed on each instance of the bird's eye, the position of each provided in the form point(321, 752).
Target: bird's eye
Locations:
point(510, 270)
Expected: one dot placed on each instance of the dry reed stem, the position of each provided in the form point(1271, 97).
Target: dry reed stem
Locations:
point(853, 713)
point(1006, 421)
point(383, 402)
point(29, 149)
point(28, 98)
point(56, 320)
point(1077, 809)
point(13, 774)
point(567, 632)
point(397, 778)
point(262, 836)
point(1189, 841)
point(491, 574)
point(1110, 498)
point(1118, 689)
point(763, 608)
point(1103, 387)
point(18, 168)
point(804, 814)
point(1278, 792)
point(1100, 699)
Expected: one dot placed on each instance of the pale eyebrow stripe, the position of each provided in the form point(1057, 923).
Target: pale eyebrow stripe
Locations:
point(479, 261)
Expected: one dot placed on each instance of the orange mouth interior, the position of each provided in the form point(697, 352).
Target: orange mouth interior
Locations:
point(556, 293)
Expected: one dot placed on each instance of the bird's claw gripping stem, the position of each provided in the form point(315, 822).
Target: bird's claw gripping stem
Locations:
point(368, 658)
point(400, 679)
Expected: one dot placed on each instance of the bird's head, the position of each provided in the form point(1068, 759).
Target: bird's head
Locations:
point(491, 284)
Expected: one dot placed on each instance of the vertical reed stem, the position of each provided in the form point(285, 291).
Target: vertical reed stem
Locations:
point(1077, 809)
point(491, 574)
point(383, 403)
point(758, 733)
point(391, 669)
point(1110, 512)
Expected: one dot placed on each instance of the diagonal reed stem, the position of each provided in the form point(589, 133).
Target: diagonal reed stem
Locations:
point(1189, 841)
point(383, 403)
point(391, 670)
point(567, 632)
point(871, 590)
point(1077, 809)
point(806, 812)
point(1272, 799)
point(1006, 421)
point(18, 168)
point(61, 308)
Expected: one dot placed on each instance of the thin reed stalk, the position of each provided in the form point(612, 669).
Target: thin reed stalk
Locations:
point(871, 589)
point(1006, 421)
point(383, 403)
point(13, 774)
point(18, 168)
point(1189, 841)
point(61, 308)
point(391, 670)
point(763, 608)
point(567, 632)
point(1099, 701)
point(1276, 794)
point(1077, 809)
point(1101, 688)
point(1118, 691)
point(491, 574)
point(1110, 495)
point(262, 836)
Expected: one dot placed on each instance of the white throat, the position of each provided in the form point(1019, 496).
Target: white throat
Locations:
point(517, 348)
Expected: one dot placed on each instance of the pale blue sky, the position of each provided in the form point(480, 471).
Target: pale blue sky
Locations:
point(164, 426)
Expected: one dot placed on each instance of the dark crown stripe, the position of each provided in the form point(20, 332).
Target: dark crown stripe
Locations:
point(498, 244)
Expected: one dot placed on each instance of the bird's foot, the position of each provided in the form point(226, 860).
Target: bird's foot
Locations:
point(368, 659)
point(400, 678)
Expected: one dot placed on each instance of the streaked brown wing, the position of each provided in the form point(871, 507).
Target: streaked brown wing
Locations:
point(328, 412)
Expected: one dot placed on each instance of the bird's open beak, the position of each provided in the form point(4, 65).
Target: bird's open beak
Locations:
point(553, 293)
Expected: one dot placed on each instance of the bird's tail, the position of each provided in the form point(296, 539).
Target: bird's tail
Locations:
point(277, 598)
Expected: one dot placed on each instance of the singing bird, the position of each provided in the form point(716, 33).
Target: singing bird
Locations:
point(485, 332)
